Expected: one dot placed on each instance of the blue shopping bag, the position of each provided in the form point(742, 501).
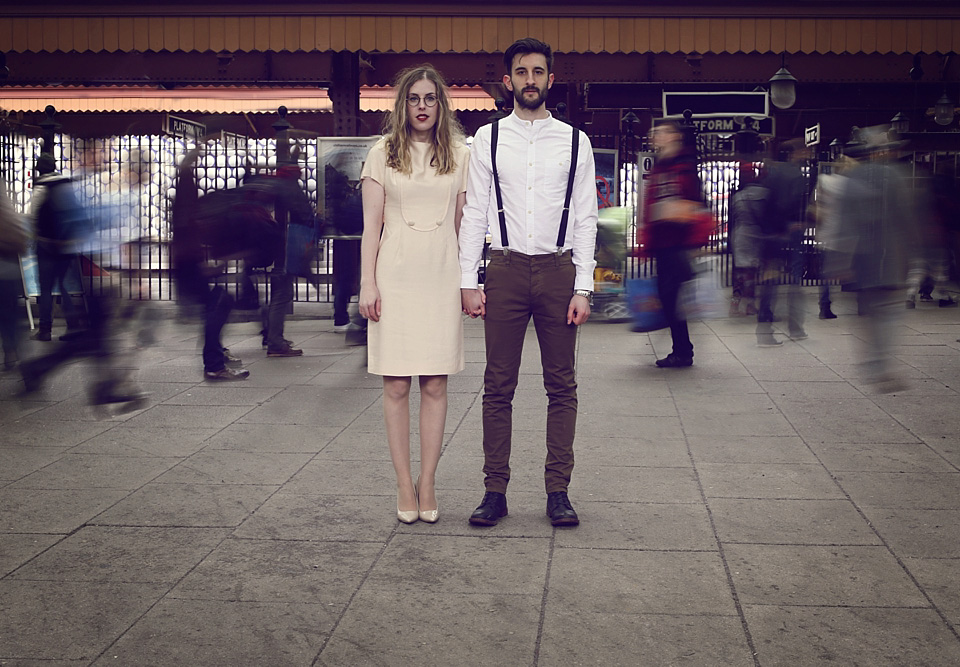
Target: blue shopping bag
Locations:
point(646, 311)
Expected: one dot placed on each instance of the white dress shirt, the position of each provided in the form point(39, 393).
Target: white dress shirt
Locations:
point(533, 164)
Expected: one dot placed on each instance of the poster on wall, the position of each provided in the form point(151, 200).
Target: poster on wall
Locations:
point(608, 181)
point(339, 164)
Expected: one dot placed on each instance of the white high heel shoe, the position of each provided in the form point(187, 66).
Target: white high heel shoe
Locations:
point(407, 516)
point(429, 516)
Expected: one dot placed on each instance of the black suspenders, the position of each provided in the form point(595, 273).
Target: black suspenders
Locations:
point(494, 133)
point(574, 151)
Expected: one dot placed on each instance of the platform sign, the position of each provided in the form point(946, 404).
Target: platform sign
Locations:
point(185, 129)
point(811, 135)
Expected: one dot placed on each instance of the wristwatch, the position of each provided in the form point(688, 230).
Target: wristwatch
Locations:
point(586, 294)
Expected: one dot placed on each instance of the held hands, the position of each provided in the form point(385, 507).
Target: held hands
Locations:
point(370, 302)
point(578, 311)
point(473, 302)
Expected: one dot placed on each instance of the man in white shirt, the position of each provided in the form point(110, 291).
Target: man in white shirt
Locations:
point(541, 265)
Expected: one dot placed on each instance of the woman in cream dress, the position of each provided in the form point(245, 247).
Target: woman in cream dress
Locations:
point(414, 188)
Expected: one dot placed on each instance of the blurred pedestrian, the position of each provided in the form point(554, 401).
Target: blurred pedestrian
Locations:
point(826, 214)
point(531, 176)
point(413, 186)
point(59, 223)
point(673, 209)
point(344, 212)
point(747, 208)
point(936, 211)
point(291, 207)
point(103, 223)
point(783, 227)
point(14, 236)
point(874, 246)
point(192, 234)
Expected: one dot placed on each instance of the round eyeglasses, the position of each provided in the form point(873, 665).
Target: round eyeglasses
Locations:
point(428, 100)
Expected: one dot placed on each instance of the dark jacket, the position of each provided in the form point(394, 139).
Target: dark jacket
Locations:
point(672, 177)
point(60, 221)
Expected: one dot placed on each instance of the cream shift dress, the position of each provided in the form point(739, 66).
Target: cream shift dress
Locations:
point(420, 331)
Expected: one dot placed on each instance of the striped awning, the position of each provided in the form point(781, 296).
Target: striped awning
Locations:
point(213, 100)
point(479, 34)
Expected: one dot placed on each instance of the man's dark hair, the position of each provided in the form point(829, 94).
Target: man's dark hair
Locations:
point(525, 46)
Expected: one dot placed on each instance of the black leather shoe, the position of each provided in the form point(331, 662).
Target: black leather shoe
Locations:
point(674, 361)
point(492, 508)
point(560, 510)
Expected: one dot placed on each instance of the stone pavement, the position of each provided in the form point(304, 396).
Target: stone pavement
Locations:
point(761, 508)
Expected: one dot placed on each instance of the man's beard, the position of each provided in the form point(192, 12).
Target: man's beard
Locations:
point(530, 103)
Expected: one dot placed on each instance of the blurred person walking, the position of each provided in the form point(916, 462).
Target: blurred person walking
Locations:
point(14, 237)
point(783, 227)
point(413, 188)
point(874, 246)
point(59, 223)
point(194, 229)
point(530, 175)
point(100, 228)
point(289, 200)
point(672, 211)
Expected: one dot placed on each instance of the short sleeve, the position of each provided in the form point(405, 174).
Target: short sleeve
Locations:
point(463, 167)
point(375, 168)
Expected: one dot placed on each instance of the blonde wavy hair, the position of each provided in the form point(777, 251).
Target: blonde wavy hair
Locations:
point(447, 133)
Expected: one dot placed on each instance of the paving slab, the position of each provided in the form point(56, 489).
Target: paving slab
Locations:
point(223, 634)
point(86, 471)
point(861, 576)
point(271, 571)
point(851, 636)
point(778, 521)
point(15, 550)
point(767, 480)
point(577, 638)
point(210, 505)
point(917, 533)
point(222, 466)
point(56, 620)
point(123, 554)
point(165, 441)
point(639, 582)
point(378, 629)
point(647, 526)
point(53, 510)
point(909, 490)
point(940, 580)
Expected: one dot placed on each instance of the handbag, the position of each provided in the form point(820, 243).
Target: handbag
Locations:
point(301, 249)
point(643, 302)
point(699, 298)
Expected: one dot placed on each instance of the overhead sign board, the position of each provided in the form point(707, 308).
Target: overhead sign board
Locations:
point(811, 135)
point(185, 129)
point(728, 125)
point(719, 104)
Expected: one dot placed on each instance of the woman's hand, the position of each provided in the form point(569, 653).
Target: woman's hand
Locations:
point(370, 302)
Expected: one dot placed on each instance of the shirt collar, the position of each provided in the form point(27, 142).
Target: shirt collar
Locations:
point(523, 123)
